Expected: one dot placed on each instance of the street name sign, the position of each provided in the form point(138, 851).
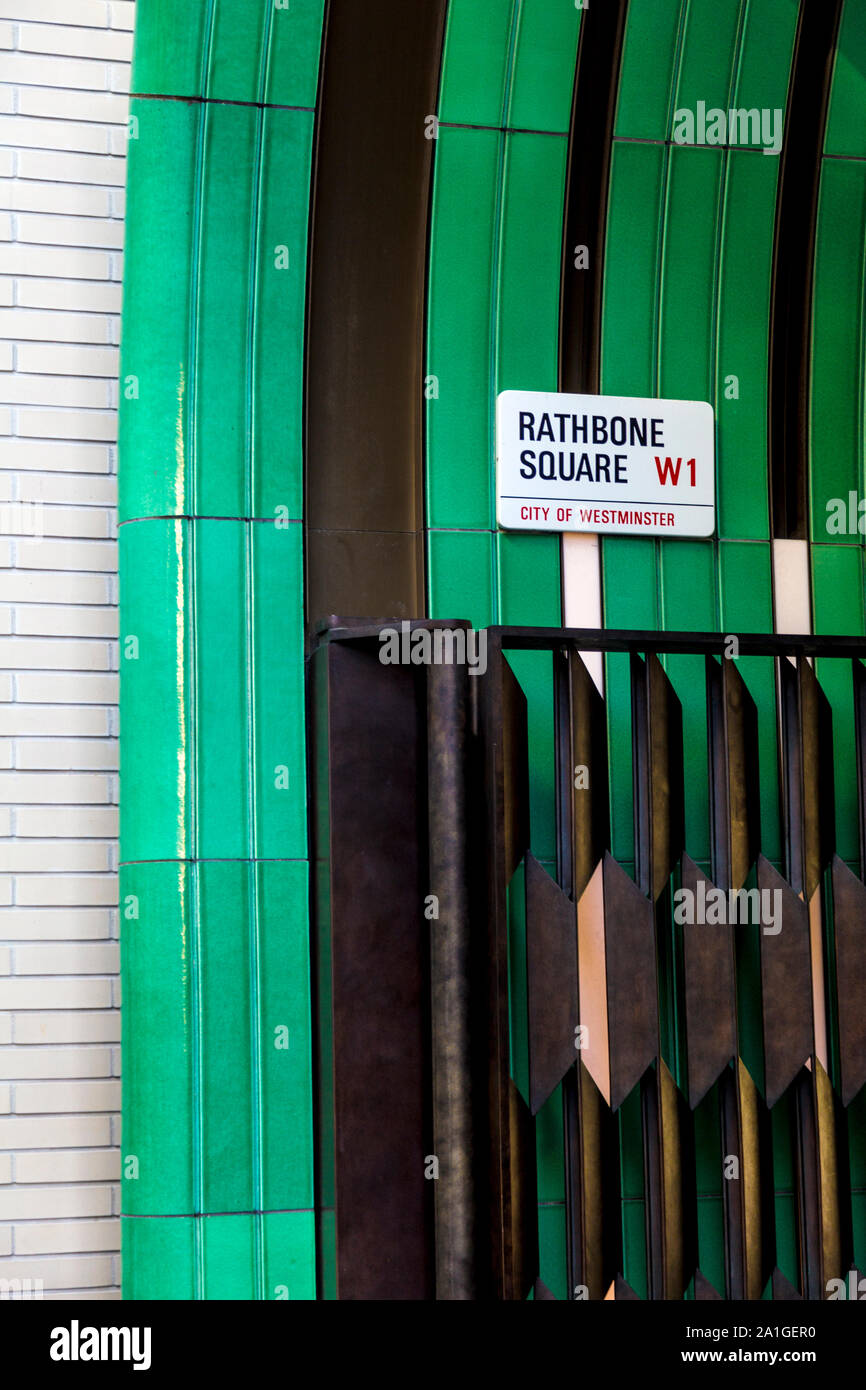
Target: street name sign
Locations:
point(617, 465)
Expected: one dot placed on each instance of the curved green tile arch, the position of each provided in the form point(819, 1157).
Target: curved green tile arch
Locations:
point(217, 1151)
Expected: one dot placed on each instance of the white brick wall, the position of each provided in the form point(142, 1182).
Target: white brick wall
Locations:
point(64, 69)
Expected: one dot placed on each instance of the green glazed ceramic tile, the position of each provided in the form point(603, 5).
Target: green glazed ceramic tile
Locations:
point(845, 130)
point(156, 372)
point(650, 49)
point(549, 1149)
point(230, 1261)
point(742, 487)
point(766, 50)
point(530, 263)
point(221, 754)
point(631, 1145)
point(459, 419)
point(786, 1237)
point(686, 320)
point(634, 1246)
point(628, 362)
point(278, 691)
point(240, 32)
point(158, 1258)
point(293, 67)
point(475, 61)
point(157, 936)
point(229, 173)
point(280, 306)
point(461, 575)
point(711, 1241)
point(229, 1084)
point(285, 1035)
point(290, 1255)
point(169, 50)
point(838, 599)
point(553, 1268)
point(543, 77)
point(155, 757)
point(707, 57)
point(838, 346)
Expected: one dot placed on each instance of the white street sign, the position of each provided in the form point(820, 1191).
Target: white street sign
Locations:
point(619, 465)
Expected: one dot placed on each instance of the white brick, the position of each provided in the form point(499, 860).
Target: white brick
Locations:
point(37, 788)
point(79, 137)
point(23, 992)
point(56, 688)
point(86, 491)
point(122, 14)
point(57, 458)
point(22, 195)
point(75, 555)
point(65, 1098)
point(5, 896)
point(67, 755)
point(5, 357)
point(5, 426)
point(41, 720)
point(5, 1100)
point(54, 1132)
point(74, 821)
point(56, 1238)
point(7, 286)
point(74, 43)
point(70, 1272)
point(7, 36)
point(24, 653)
point(67, 424)
point(17, 389)
point(25, 1063)
point(57, 359)
point(8, 162)
point(5, 1242)
point(75, 1165)
point(107, 108)
point(67, 621)
point(46, 230)
point(69, 856)
point(45, 1203)
point(6, 1168)
point(5, 1028)
point(57, 924)
point(71, 168)
point(112, 1295)
point(5, 957)
point(85, 12)
point(35, 586)
point(51, 260)
point(62, 890)
point(5, 821)
point(84, 523)
point(54, 326)
point(69, 294)
point(68, 1028)
point(33, 69)
point(78, 959)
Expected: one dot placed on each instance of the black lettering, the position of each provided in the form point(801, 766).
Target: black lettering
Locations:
point(527, 466)
point(545, 428)
point(545, 454)
point(599, 429)
point(619, 461)
point(658, 442)
point(617, 427)
point(637, 431)
point(527, 423)
point(578, 429)
point(602, 468)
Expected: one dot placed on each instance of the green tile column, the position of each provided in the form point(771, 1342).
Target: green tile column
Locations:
point(217, 1104)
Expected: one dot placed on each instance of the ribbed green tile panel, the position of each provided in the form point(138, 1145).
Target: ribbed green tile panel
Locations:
point(493, 316)
point(217, 1088)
